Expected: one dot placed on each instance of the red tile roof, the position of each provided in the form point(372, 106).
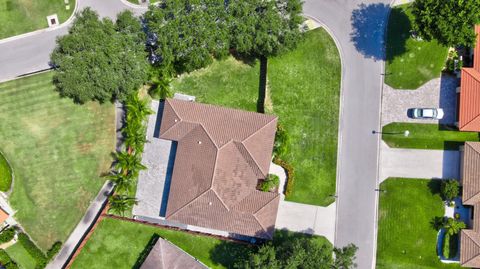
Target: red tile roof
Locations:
point(221, 155)
point(469, 119)
point(3, 216)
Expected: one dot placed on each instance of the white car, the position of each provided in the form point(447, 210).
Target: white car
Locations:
point(428, 113)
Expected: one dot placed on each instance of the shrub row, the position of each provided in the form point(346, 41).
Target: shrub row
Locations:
point(6, 261)
point(7, 235)
point(290, 174)
point(450, 246)
point(54, 250)
point(33, 250)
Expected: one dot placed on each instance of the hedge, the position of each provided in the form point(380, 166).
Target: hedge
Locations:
point(290, 174)
point(33, 250)
point(54, 250)
point(6, 261)
point(450, 246)
point(7, 235)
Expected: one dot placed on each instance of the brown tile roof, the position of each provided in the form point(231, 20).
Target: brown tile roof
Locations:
point(470, 239)
point(221, 155)
point(3, 216)
point(469, 118)
point(165, 255)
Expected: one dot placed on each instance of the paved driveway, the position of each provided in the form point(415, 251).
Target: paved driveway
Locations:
point(437, 93)
point(307, 219)
point(419, 163)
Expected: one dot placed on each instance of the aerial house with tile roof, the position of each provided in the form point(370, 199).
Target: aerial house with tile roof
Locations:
point(469, 107)
point(220, 156)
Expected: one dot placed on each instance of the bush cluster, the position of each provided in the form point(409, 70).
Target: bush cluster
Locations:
point(450, 246)
point(33, 250)
point(290, 174)
point(7, 235)
point(272, 181)
point(54, 250)
point(282, 140)
point(6, 261)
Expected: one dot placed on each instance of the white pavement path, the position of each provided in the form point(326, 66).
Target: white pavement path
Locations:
point(82, 228)
point(419, 163)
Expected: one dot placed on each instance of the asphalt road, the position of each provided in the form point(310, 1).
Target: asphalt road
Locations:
point(358, 27)
point(31, 53)
point(358, 30)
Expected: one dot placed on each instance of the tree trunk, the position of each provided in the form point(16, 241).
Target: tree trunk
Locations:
point(262, 86)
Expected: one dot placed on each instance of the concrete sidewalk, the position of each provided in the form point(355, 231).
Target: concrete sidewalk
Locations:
point(418, 163)
point(82, 228)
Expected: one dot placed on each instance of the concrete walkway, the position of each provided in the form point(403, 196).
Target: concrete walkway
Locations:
point(82, 228)
point(419, 163)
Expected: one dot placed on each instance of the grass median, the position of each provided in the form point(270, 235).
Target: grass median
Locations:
point(425, 136)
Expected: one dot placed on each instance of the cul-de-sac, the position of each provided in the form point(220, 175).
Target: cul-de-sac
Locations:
point(239, 134)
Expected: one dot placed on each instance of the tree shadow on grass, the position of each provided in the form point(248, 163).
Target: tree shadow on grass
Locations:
point(434, 186)
point(368, 23)
point(398, 31)
point(143, 255)
point(227, 253)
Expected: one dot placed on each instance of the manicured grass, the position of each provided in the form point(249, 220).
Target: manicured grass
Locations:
point(425, 136)
point(58, 151)
point(304, 90)
point(21, 256)
point(406, 239)
point(5, 174)
point(22, 16)
point(118, 244)
point(410, 63)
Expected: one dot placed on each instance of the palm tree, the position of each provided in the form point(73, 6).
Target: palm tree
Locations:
point(119, 204)
point(123, 183)
point(128, 163)
point(453, 226)
point(137, 110)
point(135, 137)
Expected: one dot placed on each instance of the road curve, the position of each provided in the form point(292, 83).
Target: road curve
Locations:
point(30, 53)
point(358, 29)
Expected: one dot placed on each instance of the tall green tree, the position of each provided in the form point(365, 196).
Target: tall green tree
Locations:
point(450, 22)
point(123, 183)
point(128, 163)
point(344, 257)
point(100, 60)
point(188, 32)
point(264, 28)
point(450, 189)
point(453, 226)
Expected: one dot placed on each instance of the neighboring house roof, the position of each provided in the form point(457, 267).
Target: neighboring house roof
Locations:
point(165, 255)
point(470, 239)
point(3, 215)
point(469, 118)
point(221, 155)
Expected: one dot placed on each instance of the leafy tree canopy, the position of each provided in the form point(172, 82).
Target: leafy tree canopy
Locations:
point(302, 253)
point(450, 22)
point(265, 28)
point(100, 60)
point(450, 189)
point(186, 33)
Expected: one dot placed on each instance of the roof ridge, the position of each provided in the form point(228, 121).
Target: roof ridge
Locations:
point(174, 111)
point(274, 197)
point(159, 241)
point(185, 205)
point(249, 154)
point(470, 121)
point(475, 242)
point(256, 131)
point(255, 213)
point(221, 201)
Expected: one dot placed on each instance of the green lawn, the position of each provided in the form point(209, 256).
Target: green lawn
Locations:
point(5, 174)
point(406, 239)
point(304, 89)
point(21, 256)
point(425, 136)
point(58, 151)
point(118, 244)
point(22, 16)
point(410, 63)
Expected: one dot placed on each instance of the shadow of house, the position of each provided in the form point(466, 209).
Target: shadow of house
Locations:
point(368, 24)
point(448, 98)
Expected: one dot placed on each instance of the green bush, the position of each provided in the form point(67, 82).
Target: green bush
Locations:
point(450, 246)
point(272, 181)
point(33, 250)
point(54, 250)
point(5, 174)
point(280, 147)
point(7, 235)
point(6, 261)
point(449, 189)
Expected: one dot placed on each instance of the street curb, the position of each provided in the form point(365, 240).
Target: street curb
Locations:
point(43, 30)
point(131, 5)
